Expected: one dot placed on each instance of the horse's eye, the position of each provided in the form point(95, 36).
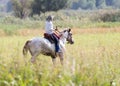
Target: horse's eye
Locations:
point(70, 33)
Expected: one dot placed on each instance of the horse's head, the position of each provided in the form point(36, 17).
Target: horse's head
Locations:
point(68, 35)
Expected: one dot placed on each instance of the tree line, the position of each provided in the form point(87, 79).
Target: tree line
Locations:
point(94, 4)
point(24, 8)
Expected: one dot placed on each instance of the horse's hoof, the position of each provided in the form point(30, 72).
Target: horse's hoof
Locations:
point(32, 61)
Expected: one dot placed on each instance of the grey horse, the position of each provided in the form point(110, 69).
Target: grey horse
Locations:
point(41, 45)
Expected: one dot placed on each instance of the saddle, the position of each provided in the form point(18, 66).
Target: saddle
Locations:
point(49, 37)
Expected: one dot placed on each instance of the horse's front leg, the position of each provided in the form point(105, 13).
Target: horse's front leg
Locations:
point(54, 61)
point(61, 57)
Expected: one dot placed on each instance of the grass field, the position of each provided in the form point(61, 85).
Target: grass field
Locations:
point(94, 60)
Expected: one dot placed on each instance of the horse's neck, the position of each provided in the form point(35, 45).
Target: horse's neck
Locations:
point(63, 40)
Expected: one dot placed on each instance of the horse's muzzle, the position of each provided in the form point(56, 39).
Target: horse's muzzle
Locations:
point(72, 42)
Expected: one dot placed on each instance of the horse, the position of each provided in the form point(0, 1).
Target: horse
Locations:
point(41, 45)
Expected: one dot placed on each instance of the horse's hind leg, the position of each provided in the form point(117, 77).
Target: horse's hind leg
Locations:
point(34, 57)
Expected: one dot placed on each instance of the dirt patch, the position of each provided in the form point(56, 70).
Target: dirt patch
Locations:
point(2, 33)
point(39, 32)
point(95, 30)
point(34, 32)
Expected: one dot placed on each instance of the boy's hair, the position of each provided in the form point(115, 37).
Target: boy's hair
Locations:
point(49, 18)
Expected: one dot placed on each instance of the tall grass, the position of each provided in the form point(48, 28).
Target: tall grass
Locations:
point(92, 61)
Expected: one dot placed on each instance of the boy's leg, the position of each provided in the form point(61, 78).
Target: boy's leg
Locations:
point(56, 40)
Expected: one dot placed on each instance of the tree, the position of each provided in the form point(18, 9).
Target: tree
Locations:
point(38, 6)
point(21, 8)
point(116, 3)
point(82, 4)
point(113, 3)
point(109, 2)
point(91, 4)
point(100, 3)
point(42, 6)
point(9, 6)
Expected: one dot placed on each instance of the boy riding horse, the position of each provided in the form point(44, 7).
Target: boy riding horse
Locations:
point(50, 31)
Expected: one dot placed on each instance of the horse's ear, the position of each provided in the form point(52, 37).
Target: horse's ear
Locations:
point(69, 30)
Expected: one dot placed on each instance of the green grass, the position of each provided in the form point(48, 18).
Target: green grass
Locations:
point(92, 61)
point(11, 29)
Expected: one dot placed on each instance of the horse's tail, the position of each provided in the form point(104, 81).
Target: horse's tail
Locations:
point(26, 47)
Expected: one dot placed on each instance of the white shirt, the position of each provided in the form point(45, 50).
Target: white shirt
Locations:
point(49, 27)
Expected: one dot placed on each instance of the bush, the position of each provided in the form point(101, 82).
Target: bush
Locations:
point(111, 17)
